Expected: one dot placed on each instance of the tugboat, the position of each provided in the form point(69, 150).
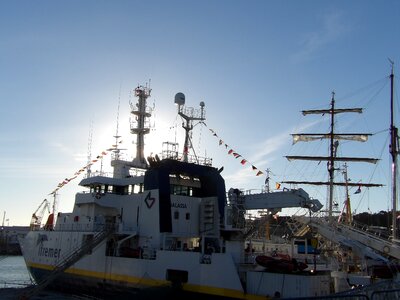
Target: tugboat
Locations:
point(161, 223)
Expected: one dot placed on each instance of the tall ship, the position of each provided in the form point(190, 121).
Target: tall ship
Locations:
point(164, 224)
point(362, 259)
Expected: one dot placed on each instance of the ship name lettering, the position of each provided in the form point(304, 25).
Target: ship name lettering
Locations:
point(179, 205)
point(49, 252)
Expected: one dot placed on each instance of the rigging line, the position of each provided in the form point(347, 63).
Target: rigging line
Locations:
point(90, 140)
point(191, 146)
point(384, 147)
point(119, 101)
point(377, 93)
point(366, 106)
point(364, 88)
point(176, 127)
point(381, 131)
point(200, 136)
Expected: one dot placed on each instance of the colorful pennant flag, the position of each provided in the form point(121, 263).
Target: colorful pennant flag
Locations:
point(235, 154)
point(67, 180)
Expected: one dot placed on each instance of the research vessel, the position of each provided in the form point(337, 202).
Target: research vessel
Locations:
point(163, 223)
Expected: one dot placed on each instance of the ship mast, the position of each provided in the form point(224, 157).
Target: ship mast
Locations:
point(140, 125)
point(393, 149)
point(189, 115)
point(333, 145)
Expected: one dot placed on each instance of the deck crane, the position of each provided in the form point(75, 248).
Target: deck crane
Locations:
point(37, 216)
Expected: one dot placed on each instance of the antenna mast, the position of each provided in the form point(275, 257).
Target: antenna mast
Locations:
point(189, 114)
point(140, 125)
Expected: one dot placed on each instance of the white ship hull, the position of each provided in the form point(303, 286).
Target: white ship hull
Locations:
point(218, 276)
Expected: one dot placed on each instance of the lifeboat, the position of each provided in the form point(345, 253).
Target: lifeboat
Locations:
point(279, 264)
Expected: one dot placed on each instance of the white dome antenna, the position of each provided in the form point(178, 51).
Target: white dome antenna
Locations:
point(180, 99)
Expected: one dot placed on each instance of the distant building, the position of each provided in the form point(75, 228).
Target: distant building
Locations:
point(9, 235)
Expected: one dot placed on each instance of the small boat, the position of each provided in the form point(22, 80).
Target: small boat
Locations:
point(280, 264)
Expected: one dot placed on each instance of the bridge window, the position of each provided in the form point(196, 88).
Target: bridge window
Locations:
point(181, 190)
point(138, 188)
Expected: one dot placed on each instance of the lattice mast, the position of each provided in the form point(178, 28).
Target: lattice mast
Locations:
point(140, 125)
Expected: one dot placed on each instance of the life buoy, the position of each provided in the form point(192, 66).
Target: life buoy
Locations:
point(386, 249)
point(98, 196)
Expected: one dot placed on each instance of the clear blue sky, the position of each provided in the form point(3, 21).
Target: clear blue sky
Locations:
point(256, 64)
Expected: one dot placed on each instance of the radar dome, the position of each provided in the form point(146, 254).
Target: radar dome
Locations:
point(180, 99)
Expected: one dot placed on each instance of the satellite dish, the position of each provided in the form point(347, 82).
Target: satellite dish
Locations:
point(202, 104)
point(180, 99)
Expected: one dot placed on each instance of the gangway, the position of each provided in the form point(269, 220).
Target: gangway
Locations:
point(68, 261)
point(347, 235)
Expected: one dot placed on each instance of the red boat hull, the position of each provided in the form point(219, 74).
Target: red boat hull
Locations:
point(279, 264)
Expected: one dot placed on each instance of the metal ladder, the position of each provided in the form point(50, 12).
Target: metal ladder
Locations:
point(68, 261)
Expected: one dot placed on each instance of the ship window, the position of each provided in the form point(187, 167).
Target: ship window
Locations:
point(110, 189)
point(187, 216)
point(176, 215)
point(119, 190)
point(138, 188)
point(182, 190)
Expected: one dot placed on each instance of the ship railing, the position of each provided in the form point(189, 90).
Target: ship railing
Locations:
point(120, 156)
point(200, 160)
point(85, 227)
point(135, 109)
point(98, 173)
point(371, 230)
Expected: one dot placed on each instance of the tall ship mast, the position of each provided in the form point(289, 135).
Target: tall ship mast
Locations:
point(394, 151)
point(333, 138)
